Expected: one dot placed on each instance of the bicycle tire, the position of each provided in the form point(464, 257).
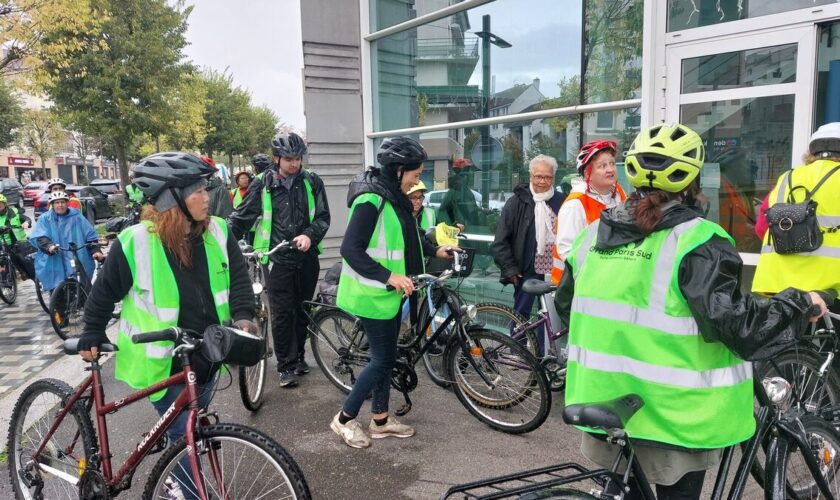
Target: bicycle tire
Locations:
point(799, 367)
point(8, 280)
point(252, 378)
point(67, 305)
point(245, 482)
point(338, 344)
point(434, 360)
point(825, 447)
point(501, 319)
point(40, 294)
point(508, 407)
point(30, 414)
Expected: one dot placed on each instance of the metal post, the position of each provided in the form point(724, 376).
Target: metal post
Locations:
point(485, 111)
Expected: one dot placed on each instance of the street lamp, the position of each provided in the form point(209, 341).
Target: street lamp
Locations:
point(486, 147)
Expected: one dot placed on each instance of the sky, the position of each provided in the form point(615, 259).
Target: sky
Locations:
point(259, 42)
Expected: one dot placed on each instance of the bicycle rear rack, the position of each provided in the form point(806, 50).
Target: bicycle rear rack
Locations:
point(517, 484)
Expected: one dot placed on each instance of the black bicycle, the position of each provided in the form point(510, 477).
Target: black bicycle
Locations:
point(67, 300)
point(494, 377)
point(8, 278)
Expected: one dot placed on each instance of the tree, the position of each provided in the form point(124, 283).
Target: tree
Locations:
point(612, 53)
point(11, 115)
point(184, 127)
point(228, 116)
point(41, 136)
point(263, 129)
point(112, 78)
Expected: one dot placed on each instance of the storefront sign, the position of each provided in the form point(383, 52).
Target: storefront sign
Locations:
point(15, 160)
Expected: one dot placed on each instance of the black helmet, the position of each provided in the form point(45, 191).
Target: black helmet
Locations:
point(260, 162)
point(155, 173)
point(400, 151)
point(287, 145)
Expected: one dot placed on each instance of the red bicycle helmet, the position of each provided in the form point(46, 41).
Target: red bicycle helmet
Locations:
point(590, 149)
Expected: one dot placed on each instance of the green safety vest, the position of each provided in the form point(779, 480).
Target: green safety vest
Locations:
point(366, 297)
point(153, 303)
point(262, 238)
point(14, 223)
point(134, 193)
point(637, 336)
point(427, 219)
point(237, 197)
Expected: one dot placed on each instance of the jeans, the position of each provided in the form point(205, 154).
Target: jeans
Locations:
point(288, 287)
point(376, 377)
point(179, 428)
point(523, 303)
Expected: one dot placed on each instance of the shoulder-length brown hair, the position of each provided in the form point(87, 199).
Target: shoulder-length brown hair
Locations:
point(169, 226)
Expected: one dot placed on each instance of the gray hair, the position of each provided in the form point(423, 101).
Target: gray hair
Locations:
point(545, 159)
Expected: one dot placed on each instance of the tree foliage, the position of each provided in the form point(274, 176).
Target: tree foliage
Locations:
point(263, 129)
point(41, 136)
point(228, 116)
point(11, 114)
point(612, 54)
point(113, 77)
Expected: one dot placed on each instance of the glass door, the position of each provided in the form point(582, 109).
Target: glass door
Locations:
point(750, 98)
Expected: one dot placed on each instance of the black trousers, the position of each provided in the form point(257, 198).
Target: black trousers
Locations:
point(18, 254)
point(288, 287)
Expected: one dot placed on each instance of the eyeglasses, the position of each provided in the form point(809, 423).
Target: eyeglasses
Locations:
point(543, 178)
point(417, 198)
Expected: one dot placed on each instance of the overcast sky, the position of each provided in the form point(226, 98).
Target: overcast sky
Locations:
point(259, 42)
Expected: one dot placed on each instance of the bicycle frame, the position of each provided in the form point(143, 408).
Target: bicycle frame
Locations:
point(188, 399)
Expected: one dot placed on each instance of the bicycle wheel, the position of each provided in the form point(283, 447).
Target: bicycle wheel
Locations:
point(43, 295)
point(67, 307)
point(252, 378)
point(66, 454)
point(824, 447)
point(518, 399)
point(339, 346)
point(503, 319)
point(433, 359)
point(8, 280)
point(235, 462)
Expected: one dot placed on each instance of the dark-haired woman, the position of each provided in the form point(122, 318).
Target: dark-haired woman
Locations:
point(651, 296)
point(382, 246)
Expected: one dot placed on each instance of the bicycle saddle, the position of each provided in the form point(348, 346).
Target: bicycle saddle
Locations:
point(71, 346)
point(612, 414)
point(537, 287)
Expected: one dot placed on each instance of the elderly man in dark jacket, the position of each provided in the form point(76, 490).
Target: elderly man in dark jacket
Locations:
point(523, 245)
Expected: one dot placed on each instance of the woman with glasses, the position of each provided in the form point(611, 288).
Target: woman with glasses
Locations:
point(524, 241)
point(598, 191)
point(425, 216)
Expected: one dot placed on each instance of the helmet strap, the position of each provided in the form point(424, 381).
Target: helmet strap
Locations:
point(181, 204)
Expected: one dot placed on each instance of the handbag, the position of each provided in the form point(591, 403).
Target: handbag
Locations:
point(224, 344)
point(793, 227)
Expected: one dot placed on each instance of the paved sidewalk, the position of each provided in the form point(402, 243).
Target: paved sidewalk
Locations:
point(28, 343)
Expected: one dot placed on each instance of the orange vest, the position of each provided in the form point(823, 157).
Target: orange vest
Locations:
point(593, 209)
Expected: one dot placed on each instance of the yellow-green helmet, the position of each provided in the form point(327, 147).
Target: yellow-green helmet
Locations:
point(666, 157)
point(2, 198)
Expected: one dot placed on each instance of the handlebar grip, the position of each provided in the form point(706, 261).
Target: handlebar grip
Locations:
point(144, 338)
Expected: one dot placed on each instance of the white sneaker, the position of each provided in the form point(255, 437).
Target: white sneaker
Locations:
point(391, 428)
point(351, 432)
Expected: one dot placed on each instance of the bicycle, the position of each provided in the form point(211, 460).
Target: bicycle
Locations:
point(496, 379)
point(252, 378)
point(786, 429)
point(54, 451)
point(8, 279)
point(67, 300)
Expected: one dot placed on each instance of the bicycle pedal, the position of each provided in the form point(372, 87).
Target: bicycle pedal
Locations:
point(160, 445)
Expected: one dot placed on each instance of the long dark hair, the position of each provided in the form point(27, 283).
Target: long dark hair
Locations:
point(646, 207)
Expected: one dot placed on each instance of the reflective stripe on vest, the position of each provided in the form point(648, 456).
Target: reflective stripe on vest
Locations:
point(14, 223)
point(153, 302)
point(817, 270)
point(237, 197)
point(262, 237)
point(366, 297)
point(639, 336)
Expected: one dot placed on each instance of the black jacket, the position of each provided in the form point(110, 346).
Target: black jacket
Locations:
point(753, 327)
point(515, 242)
point(220, 204)
point(289, 214)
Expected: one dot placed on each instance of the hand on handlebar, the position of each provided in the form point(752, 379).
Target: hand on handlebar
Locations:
point(248, 326)
point(818, 307)
point(53, 249)
point(302, 242)
point(402, 284)
point(446, 252)
point(99, 256)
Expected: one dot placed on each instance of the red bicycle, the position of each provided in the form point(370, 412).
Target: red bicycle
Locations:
point(54, 451)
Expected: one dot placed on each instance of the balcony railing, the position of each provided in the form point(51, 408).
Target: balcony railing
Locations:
point(433, 48)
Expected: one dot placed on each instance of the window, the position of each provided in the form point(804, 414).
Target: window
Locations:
point(745, 68)
point(605, 120)
point(828, 75)
point(685, 14)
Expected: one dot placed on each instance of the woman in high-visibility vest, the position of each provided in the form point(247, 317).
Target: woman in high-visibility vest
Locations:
point(652, 298)
point(178, 267)
point(425, 216)
point(237, 194)
point(598, 191)
point(382, 246)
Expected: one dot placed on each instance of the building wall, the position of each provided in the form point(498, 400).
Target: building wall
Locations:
point(332, 96)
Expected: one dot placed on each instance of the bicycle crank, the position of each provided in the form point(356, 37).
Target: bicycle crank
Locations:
point(404, 379)
point(555, 372)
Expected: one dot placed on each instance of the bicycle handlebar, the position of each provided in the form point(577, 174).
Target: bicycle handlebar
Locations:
point(283, 244)
point(171, 333)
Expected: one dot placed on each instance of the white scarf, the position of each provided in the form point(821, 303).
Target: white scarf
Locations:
point(542, 218)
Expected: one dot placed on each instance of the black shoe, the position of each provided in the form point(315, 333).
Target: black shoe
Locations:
point(288, 379)
point(301, 368)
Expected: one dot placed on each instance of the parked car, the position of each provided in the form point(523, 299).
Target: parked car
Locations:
point(498, 200)
point(112, 188)
point(435, 198)
point(13, 191)
point(33, 191)
point(94, 202)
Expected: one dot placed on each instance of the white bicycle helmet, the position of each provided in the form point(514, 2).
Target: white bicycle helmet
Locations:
point(59, 195)
point(54, 181)
point(825, 141)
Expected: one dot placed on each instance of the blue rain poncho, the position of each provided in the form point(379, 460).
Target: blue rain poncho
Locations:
point(62, 230)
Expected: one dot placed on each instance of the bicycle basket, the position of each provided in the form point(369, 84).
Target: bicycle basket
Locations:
point(436, 266)
point(232, 346)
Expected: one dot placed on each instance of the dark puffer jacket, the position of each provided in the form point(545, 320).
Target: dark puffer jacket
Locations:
point(515, 243)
